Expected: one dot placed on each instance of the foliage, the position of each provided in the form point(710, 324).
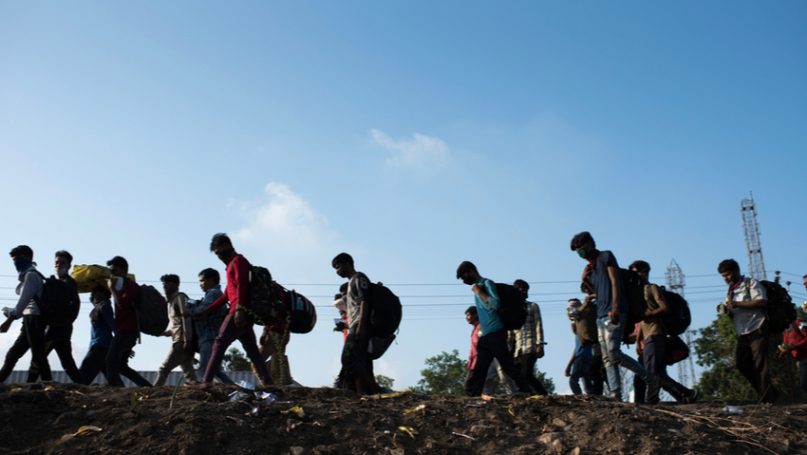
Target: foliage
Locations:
point(444, 375)
point(385, 382)
point(721, 380)
point(235, 360)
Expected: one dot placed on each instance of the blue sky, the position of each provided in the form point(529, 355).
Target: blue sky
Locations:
point(413, 135)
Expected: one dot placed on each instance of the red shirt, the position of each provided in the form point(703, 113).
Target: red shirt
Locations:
point(237, 291)
point(126, 308)
point(474, 340)
point(796, 337)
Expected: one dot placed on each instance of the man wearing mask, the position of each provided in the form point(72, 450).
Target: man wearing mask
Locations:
point(33, 329)
point(746, 302)
point(126, 294)
point(59, 331)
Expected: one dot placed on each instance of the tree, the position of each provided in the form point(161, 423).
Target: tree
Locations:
point(715, 347)
point(385, 382)
point(235, 360)
point(444, 375)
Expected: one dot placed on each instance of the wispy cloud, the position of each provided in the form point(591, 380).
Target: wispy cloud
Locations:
point(418, 152)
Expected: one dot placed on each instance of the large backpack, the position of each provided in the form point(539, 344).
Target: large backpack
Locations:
point(512, 306)
point(780, 309)
point(59, 304)
point(152, 311)
point(385, 311)
point(677, 318)
point(633, 290)
point(301, 313)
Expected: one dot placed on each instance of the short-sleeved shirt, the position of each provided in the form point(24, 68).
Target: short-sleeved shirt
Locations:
point(602, 284)
point(488, 312)
point(652, 326)
point(747, 320)
point(358, 289)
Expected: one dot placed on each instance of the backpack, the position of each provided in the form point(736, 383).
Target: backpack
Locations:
point(59, 304)
point(780, 309)
point(677, 318)
point(675, 349)
point(512, 306)
point(152, 311)
point(302, 313)
point(266, 306)
point(633, 290)
point(385, 311)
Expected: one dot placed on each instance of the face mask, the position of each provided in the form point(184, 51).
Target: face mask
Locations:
point(582, 252)
point(117, 283)
point(468, 281)
point(21, 265)
point(61, 272)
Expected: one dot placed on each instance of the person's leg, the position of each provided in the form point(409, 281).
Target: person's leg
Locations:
point(250, 345)
point(759, 345)
point(35, 329)
point(354, 361)
point(172, 360)
point(639, 386)
point(484, 357)
point(744, 361)
point(114, 359)
point(15, 352)
point(92, 364)
point(803, 375)
point(595, 370)
point(509, 386)
point(127, 371)
point(528, 371)
point(498, 345)
point(227, 334)
point(63, 345)
point(651, 358)
point(677, 390)
point(585, 372)
point(490, 378)
point(574, 376)
point(609, 343)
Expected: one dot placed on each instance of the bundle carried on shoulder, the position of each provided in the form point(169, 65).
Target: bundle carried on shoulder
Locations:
point(89, 277)
point(152, 311)
point(512, 306)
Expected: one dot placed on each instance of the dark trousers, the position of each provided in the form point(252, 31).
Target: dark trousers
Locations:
point(357, 366)
point(752, 361)
point(654, 358)
point(31, 336)
point(94, 362)
point(596, 370)
point(527, 364)
point(803, 375)
point(228, 333)
point(117, 361)
point(58, 339)
point(489, 347)
point(639, 386)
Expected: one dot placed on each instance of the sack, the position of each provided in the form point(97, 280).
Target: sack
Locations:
point(780, 309)
point(59, 304)
point(677, 318)
point(88, 277)
point(385, 311)
point(302, 313)
point(633, 290)
point(265, 300)
point(676, 349)
point(512, 306)
point(152, 311)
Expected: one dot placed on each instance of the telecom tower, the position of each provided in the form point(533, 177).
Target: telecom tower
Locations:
point(675, 283)
point(756, 265)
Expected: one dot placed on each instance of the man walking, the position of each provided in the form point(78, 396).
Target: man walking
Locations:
point(180, 330)
point(492, 343)
point(102, 322)
point(529, 340)
point(746, 302)
point(207, 328)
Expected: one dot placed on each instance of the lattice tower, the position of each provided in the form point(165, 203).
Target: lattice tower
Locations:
point(756, 265)
point(675, 283)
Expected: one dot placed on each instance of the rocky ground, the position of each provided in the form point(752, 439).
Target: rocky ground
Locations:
point(63, 418)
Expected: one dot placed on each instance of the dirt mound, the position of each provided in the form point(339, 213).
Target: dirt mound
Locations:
point(61, 418)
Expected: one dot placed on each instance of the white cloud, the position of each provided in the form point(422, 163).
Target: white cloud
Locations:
point(286, 232)
point(418, 152)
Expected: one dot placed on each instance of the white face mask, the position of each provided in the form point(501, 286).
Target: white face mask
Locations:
point(117, 283)
point(61, 272)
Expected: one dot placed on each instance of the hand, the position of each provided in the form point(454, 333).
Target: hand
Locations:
point(6, 325)
point(589, 298)
point(539, 351)
point(567, 372)
point(614, 316)
point(241, 320)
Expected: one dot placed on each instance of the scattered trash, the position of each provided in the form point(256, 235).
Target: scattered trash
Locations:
point(536, 397)
point(475, 404)
point(49, 388)
point(384, 396)
point(408, 430)
point(83, 430)
point(463, 435)
point(734, 410)
point(486, 397)
point(510, 410)
point(237, 396)
point(255, 412)
point(266, 397)
point(418, 408)
point(296, 410)
point(246, 385)
point(387, 432)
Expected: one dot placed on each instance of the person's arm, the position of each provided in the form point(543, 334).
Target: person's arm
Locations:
point(184, 311)
point(539, 330)
point(758, 298)
point(31, 287)
point(616, 289)
point(639, 338)
point(568, 371)
point(487, 293)
point(242, 271)
point(360, 289)
point(109, 318)
point(219, 302)
point(657, 296)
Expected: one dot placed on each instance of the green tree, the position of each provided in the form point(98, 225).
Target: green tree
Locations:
point(721, 380)
point(384, 382)
point(444, 375)
point(235, 360)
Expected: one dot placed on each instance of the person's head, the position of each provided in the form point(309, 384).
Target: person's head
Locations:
point(583, 244)
point(342, 263)
point(572, 307)
point(99, 294)
point(468, 273)
point(805, 281)
point(471, 315)
point(222, 247)
point(208, 279)
point(23, 257)
point(522, 286)
point(729, 269)
point(62, 262)
point(170, 284)
point(118, 266)
point(642, 268)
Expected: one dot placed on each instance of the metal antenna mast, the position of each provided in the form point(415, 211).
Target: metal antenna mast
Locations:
point(676, 280)
point(756, 265)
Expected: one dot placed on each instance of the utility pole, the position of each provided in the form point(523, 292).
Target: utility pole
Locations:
point(756, 265)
